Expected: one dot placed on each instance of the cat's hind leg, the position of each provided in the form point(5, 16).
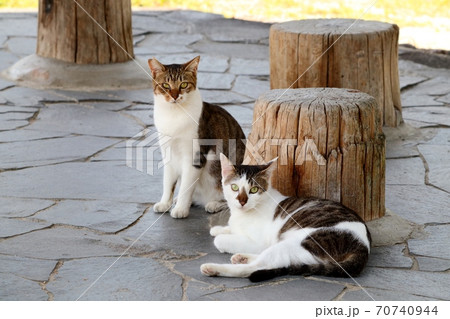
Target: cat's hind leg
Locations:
point(228, 270)
point(216, 206)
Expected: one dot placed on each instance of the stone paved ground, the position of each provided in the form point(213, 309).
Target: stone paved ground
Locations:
point(70, 207)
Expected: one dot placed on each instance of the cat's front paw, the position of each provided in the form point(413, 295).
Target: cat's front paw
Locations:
point(217, 230)
point(178, 212)
point(161, 207)
point(242, 258)
point(209, 270)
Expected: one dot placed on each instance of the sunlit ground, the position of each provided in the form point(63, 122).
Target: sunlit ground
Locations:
point(425, 24)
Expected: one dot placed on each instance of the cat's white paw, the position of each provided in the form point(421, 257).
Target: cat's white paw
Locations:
point(161, 207)
point(215, 206)
point(239, 259)
point(209, 270)
point(218, 230)
point(179, 212)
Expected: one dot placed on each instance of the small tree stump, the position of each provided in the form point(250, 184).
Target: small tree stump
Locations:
point(67, 33)
point(329, 144)
point(338, 53)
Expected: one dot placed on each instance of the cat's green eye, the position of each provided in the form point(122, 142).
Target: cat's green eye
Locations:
point(166, 85)
point(254, 190)
point(183, 85)
point(234, 187)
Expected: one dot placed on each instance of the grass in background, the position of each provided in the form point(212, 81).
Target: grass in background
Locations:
point(406, 13)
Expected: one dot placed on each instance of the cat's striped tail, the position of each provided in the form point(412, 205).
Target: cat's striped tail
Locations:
point(351, 267)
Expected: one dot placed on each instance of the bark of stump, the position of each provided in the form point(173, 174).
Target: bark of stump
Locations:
point(338, 53)
point(329, 144)
point(67, 33)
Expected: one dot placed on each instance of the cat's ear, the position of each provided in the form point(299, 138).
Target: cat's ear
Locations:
point(156, 66)
point(270, 167)
point(192, 65)
point(227, 167)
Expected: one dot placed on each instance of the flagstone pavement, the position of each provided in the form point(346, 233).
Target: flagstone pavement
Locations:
point(76, 222)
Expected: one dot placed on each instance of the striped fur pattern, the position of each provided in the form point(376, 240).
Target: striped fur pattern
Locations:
point(273, 235)
point(190, 123)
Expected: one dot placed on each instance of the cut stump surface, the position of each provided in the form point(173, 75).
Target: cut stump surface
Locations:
point(341, 53)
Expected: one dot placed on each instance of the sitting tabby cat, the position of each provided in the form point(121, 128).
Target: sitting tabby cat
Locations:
point(181, 114)
point(273, 235)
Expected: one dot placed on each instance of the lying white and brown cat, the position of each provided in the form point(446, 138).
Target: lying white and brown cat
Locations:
point(191, 124)
point(273, 235)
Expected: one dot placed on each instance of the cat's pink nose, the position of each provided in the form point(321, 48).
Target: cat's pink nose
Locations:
point(242, 202)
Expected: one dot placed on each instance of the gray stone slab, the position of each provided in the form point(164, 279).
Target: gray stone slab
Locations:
point(22, 207)
point(389, 256)
point(28, 268)
point(434, 245)
point(22, 96)
point(22, 45)
point(224, 97)
point(17, 109)
point(243, 115)
point(197, 290)
point(64, 243)
point(15, 116)
point(439, 85)
point(192, 16)
point(410, 98)
point(7, 59)
point(15, 288)
point(85, 96)
point(233, 50)
point(293, 290)
point(249, 67)
point(419, 283)
point(108, 106)
point(158, 25)
point(382, 295)
point(75, 118)
point(231, 30)
point(431, 115)
point(153, 40)
point(127, 279)
point(136, 96)
point(405, 171)
point(444, 99)
point(100, 180)
point(433, 264)
point(50, 151)
point(12, 125)
point(251, 86)
point(13, 227)
point(442, 137)
point(162, 233)
point(143, 117)
point(419, 204)
point(217, 81)
point(410, 80)
point(28, 135)
point(399, 149)
point(6, 84)
point(104, 216)
point(437, 158)
point(19, 26)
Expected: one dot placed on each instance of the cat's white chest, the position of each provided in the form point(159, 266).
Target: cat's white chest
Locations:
point(178, 120)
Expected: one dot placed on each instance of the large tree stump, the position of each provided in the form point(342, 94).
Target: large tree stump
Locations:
point(329, 143)
point(338, 53)
point(67, 33)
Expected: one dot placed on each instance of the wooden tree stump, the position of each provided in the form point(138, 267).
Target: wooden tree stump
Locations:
point(67, 33)
point(338, 53)
point(329, 144)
